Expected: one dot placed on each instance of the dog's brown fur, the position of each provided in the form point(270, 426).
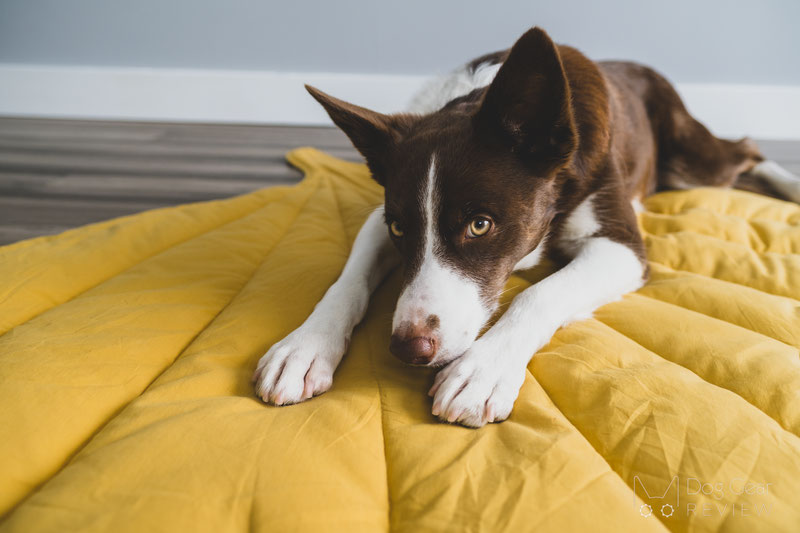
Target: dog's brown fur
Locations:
point(546, 160)
point(551, 129)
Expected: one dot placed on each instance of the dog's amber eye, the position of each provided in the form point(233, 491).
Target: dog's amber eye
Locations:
point(479, 226)
point(395, 228)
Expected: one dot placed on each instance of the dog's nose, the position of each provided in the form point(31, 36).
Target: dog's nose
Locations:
point(413, 350)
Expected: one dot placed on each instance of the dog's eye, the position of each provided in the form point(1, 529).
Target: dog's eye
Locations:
point(479, 226)
point(395, 228)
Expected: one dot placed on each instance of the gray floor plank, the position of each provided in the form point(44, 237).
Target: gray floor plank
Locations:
point(267, 169)
point(161, 148)
point(11, 234)
point(69, 129)
point(57, 174)
point(124, 188)
point(65, 212)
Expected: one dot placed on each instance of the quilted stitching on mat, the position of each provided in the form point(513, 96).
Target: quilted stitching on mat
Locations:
point(127, 349)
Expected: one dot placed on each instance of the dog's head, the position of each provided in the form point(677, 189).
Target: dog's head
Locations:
point(469, 192)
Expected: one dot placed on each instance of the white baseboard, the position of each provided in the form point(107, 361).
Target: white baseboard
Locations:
point(228, 96)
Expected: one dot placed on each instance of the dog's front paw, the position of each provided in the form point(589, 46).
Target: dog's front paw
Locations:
point(476, 389)
point(300, 366)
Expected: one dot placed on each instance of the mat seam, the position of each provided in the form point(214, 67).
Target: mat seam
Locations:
point(701, 378)
point(574, 427)
point(383, 439)
point(603, 457)
point(735, 325)
point(134, 265)
point(125, 405)
point(725, 280)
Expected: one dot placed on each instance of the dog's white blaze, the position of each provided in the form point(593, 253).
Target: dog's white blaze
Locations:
point(439, 290)
point(438, 91)
point(430, 214)
point(781, 179)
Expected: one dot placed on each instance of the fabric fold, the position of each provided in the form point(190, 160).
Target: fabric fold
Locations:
point(128, 348)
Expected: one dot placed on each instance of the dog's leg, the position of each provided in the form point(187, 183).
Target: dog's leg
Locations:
point(779, 178)
point(302, 364)
point(482, 385)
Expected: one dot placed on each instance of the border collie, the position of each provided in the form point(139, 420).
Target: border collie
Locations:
point(522, 154)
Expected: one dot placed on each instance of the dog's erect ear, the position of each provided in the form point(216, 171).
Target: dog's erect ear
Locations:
point(373, 134)
point(527, 106)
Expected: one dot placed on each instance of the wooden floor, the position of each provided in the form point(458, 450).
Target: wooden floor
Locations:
point(58, 174)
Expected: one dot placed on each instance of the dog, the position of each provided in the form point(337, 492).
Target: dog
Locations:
point(523, 154)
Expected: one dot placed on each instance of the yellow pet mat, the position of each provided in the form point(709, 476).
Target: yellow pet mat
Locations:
point(126, 405)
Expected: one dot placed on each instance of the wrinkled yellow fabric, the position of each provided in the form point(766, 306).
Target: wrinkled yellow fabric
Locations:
point(127, 349)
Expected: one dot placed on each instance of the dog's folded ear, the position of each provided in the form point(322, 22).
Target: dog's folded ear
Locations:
point(527, 107)
point(373, 134)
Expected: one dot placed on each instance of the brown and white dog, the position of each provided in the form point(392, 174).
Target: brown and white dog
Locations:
point(532, 152)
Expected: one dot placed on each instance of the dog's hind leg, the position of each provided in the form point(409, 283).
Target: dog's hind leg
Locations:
point(691, 156)
point(698, 159)
point(688, 154)
point(769, 178)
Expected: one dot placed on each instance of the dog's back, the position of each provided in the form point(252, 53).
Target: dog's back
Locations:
point(631, 110)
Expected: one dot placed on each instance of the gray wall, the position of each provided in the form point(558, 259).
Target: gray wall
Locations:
point(689, 40)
